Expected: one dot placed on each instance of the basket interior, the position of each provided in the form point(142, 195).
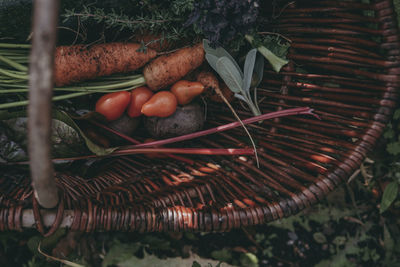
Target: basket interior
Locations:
point(344, 63)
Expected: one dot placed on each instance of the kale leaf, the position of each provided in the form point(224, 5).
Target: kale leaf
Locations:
point(221, 20)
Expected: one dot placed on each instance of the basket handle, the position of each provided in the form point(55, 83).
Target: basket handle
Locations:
point(45, 20)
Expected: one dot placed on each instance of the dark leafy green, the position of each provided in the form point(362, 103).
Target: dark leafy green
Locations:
point(68, 140)
point(221, 21)
point(10, 151)
point(96, 149)
point(389, 195)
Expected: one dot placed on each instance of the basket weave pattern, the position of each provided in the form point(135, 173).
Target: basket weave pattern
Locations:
point(351, 79)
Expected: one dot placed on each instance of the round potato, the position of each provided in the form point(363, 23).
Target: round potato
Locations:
point(185, 120)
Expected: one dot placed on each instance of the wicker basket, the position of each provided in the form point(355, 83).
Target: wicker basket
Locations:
point(351, 79)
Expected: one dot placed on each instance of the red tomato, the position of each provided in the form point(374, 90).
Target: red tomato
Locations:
point(113, 105)
point(139, 96)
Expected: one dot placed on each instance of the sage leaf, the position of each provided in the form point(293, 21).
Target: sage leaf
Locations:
point(248, 69)
point(230, 74)
point(258, 71)
point(218, 53)
point(239, 96)
point(212, 61)
point(389, 195)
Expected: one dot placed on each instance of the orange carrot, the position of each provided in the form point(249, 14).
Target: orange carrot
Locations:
point(79, 62)
point(168, 69)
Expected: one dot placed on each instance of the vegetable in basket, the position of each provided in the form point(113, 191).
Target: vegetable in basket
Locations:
point(79, 63)
point(139, 96)
point(186, 91)
point(113, 105)
point(186, 119)
point(162, 104)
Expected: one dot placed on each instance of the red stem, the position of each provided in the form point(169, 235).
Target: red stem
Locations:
point(134, 141)
point(190, 151)
point(123, 136)
point(271, 115)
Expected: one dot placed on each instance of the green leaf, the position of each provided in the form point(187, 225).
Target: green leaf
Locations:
point(396, 114)
point(120, 252)
point(389, 133)
point(96, 149)
point(218, 53)
point(46, 242)
point(319, 238)
point(230, 74)
point(339, 240)
point(196, 264)
point(388, 241)
point(10, 151)
point(212, 61)
point(33, 244)
point(239, 96)
point(248, 260)
point(393, 148)
point(156, 243)
point(65, 140)
point(258, 71)
point(152, 260)
point(222, 255)
point(389, 195)
point(276, 62)
point(68, 140)
point(249, 68)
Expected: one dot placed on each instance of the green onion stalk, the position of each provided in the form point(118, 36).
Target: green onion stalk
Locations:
point(14, 61)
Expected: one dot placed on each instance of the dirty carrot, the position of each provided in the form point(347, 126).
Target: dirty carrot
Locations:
point(79, 62)
point(168, 69)
point(212, 86)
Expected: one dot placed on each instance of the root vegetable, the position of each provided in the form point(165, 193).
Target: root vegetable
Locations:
point(186, 91)
point(185, 120)
point(139, 96)
point(162, 104)
point(167, 69)
point(78, 62)
point(213, 86)
point(113, 105)
point(124, 125)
